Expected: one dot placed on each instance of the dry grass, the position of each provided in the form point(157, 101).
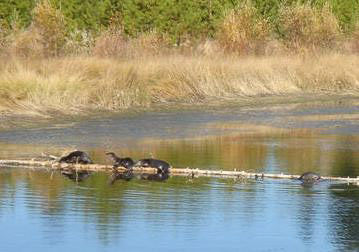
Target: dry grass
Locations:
point(244, 31)
point(112, 43)
point(84, 84)
point(307, 28)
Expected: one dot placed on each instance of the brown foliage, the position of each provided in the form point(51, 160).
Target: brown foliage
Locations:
point(244, 31)
point(306, 27)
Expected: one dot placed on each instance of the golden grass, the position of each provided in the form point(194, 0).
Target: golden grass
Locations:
point(81, 84)
point(307, 28)
point(244, 31)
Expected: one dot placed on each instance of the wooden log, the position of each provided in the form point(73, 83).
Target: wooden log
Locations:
point(173, 171)
point(66, 166)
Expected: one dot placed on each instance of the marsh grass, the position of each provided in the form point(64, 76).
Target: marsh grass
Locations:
point(47, 70)
point(86, 84)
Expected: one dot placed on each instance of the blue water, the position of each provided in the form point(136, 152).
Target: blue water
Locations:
point(42, 210)
point(179, 214)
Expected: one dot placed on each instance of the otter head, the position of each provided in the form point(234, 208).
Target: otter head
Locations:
point(112, 156)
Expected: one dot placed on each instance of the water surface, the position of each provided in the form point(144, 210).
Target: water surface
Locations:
point(42, 210)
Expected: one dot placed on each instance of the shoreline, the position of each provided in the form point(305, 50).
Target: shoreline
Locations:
point(294, 111)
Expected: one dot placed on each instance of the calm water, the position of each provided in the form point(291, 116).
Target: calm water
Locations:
point(45, 211)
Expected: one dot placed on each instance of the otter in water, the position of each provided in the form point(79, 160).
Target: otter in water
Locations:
point(309, 177)
point(162, 166)
point(76, 157)
point(124, 162)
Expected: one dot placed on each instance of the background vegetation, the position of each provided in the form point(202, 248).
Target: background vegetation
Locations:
point(171, 16)
point(73, 56)
point(57, 27)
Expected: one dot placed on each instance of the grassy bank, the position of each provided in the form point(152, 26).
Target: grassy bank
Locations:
point(74, 85)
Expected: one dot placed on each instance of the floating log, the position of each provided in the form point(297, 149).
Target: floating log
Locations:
point(173, 171)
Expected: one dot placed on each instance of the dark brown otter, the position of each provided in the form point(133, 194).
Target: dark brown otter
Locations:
point(124, 162)
point(162, 166)
point(309, 177)
point(76, 157)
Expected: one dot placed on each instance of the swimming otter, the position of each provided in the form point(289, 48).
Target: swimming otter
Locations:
point(162, 166)
point(76, 157)
point(309, 177)
point(124, 162)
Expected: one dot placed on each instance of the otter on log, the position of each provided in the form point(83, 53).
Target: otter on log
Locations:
point(162, 166)
point(309, 177)
point(124, 162)
point(76, 157)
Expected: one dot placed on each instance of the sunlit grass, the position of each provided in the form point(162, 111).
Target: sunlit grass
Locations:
point(81, 84)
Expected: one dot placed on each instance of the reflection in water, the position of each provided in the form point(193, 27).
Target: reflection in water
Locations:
point(344, 216)
point(183, 212)
point(292, 152)
point(346, 159)
point(307, 205)
point(127, 176)
point(159, 176)
point(76, 176)
point(123, 211)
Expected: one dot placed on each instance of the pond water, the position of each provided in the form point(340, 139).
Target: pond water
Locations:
point(42, 210)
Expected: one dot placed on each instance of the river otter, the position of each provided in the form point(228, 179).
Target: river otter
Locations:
point(124, 162)
point(309, 177)
point(76, 157)
point(162, 166)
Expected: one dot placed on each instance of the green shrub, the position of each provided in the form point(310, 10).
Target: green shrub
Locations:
point(182, 21)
